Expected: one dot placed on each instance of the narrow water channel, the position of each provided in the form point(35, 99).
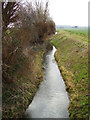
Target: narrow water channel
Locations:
point(51, 99)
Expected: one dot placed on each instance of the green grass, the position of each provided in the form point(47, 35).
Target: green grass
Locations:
point(78, 31)
point(72, 59)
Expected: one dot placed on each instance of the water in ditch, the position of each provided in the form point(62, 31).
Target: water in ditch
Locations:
point(51, 99)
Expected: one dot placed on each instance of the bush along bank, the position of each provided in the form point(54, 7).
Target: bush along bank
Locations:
point(72, 59)
point(25, 29)
point(20, 90)
point(22, 72)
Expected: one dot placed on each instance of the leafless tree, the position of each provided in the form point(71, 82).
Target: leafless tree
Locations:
point(9, 13)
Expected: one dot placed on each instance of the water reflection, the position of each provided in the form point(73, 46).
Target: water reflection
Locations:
point(51, 100)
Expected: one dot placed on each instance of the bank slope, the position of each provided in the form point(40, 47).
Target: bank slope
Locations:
point(72, 58)
point(18, 94)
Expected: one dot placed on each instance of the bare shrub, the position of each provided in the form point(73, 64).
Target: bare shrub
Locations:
point(9, 13)
point(12, 54)
point(32, 24)
point(36, 19)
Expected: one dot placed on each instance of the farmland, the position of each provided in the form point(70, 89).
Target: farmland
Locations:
point(78, 31)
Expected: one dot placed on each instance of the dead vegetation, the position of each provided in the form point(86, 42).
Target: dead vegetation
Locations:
point(31, 27)
point(23, 46)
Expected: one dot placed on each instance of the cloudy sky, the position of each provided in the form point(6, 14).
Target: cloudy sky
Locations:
point(69, 12)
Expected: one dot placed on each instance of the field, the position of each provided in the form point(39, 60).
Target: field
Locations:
point(79, 31)
point(72, 59)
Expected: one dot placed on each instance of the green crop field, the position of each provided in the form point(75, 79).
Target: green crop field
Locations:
point(78, 31)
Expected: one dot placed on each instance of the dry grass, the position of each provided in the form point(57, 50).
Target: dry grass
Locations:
point(19, 94)
point(22, 72)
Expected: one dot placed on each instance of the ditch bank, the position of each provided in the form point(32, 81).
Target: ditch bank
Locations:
point(18, 94)
point(72, 59)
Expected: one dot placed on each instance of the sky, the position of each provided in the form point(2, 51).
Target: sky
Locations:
point(69, 12)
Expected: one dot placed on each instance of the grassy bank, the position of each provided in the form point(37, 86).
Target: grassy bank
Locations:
point(19, 94)
point(24, 74)
point(72, 59)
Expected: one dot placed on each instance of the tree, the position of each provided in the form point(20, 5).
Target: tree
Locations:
point(9, 13)
point(34, 18)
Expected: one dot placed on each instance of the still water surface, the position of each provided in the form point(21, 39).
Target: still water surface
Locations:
point(51, 99)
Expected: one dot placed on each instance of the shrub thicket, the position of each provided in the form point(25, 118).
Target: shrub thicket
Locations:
point(31, 25)
point(36, 20)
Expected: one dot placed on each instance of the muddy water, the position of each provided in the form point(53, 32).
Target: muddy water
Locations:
point(51, 100)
